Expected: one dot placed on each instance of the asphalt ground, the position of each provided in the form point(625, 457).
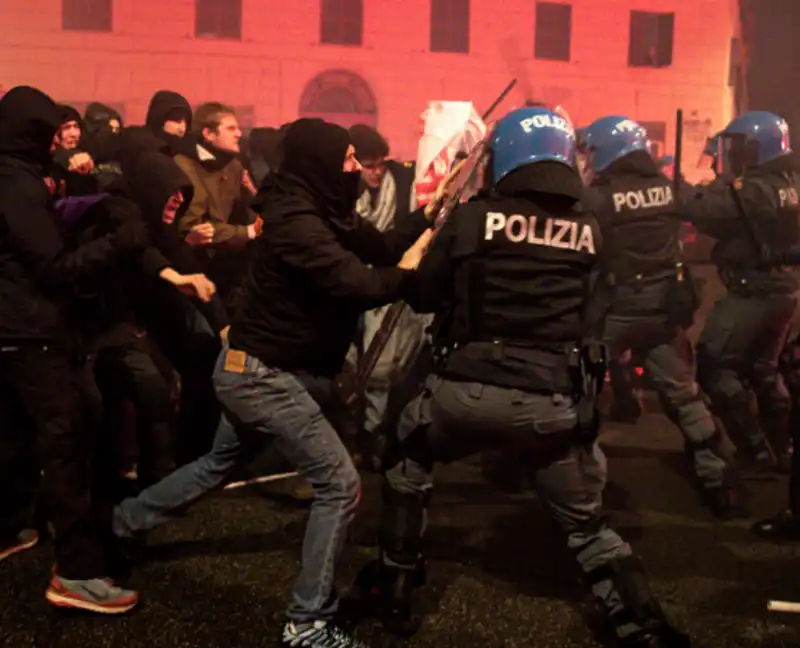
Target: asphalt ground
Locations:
point(499, 576)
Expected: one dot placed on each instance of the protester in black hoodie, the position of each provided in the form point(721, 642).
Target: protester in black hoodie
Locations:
point(169, 116)
point(99, 118)
point(123, 364)
point(37, 364)
point(71, 128)
point(102, 127)
point(308, 281)
point(186, 331)
point(67, 154)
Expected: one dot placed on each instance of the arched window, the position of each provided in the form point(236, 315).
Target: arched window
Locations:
point(341, 97)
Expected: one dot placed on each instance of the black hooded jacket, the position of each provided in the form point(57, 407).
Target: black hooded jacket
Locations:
point(308, 279)
point(104, 303)
point(100, 141)
point(152, 179)
point(98, 116)
point(164, 106)
point(37, 270)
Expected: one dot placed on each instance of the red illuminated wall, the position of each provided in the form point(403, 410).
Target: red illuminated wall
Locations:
point(153, 47)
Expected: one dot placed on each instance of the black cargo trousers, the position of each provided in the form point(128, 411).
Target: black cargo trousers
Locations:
point(451, 420)
point(61, 406)
point(738, 351)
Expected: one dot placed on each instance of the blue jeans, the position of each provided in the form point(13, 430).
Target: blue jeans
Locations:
point(276, 404)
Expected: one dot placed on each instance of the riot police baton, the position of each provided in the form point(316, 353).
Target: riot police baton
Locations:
point(350, 389)
point(487, 113)
point(676, 169)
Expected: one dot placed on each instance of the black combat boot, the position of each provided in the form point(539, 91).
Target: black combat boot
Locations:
point(784, 526)
point(724, 502)
point(639, 622)
point(387, 593)
point(744, 429)
point(387, 584)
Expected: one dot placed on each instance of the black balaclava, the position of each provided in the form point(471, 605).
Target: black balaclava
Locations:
point(29, 120)
point(154, 178)
point(313, 156)
point(98, 116)
point(170, 106)
point(166, 105)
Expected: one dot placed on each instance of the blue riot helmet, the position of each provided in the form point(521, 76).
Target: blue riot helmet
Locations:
point(752, 140)
point(610, 138)
point(529, 135)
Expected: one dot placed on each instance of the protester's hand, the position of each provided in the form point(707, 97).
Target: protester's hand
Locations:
point(81, 163)
point(197, 285)
point(443, 191)
point(247, 183)
point(201, 234)
point(254, 229)
point(194, 285)
point(414, 254)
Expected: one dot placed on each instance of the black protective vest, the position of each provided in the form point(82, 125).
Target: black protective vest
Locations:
point(767, 216)
point(524, 276)
point(640, 225)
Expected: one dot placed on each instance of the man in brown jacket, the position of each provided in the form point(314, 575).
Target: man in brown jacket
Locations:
point(217, 215)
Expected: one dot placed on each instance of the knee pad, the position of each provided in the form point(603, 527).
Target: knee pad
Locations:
point(727, 399)
point(591, 527)
point(629, 581)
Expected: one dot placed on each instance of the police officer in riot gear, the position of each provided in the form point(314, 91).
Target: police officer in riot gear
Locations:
point(644, 286)
point(745, 331)
point(519, 372)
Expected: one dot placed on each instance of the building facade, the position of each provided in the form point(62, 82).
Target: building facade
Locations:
point(380, 62)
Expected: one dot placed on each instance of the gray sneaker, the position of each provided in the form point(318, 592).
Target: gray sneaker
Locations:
point(25, 539)
point(99, 595)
